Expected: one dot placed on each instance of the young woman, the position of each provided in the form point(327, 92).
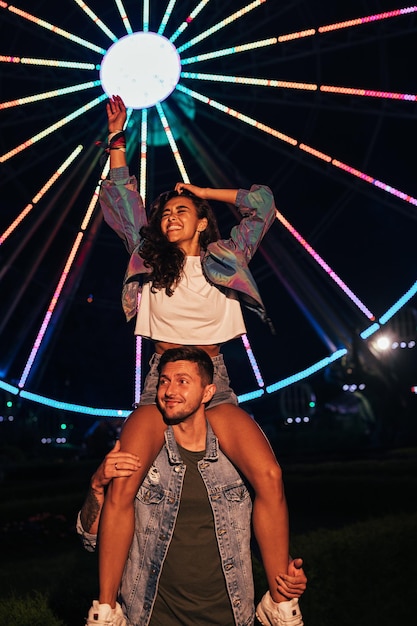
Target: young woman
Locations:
point(191, 285)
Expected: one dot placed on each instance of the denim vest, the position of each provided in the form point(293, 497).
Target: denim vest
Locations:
point(156, 507)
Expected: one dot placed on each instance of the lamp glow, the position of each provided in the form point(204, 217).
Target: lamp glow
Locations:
point(142, 68)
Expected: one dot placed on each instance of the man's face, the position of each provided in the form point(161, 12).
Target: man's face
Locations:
point(181, 391)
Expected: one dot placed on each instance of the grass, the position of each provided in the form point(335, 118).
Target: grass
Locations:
point(350, 522)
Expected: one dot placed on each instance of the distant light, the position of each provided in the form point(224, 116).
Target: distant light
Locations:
point(383, 343)
point(142, 68)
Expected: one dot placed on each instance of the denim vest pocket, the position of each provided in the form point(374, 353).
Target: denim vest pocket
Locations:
point(150, 493)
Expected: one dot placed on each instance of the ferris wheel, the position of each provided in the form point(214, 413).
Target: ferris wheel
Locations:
point(318, 102)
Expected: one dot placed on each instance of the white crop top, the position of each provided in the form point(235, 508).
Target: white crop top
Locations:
point(196, 314)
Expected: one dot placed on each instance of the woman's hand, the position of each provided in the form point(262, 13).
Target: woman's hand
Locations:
point(116, 114)
point(116, 464)
point(200, 192)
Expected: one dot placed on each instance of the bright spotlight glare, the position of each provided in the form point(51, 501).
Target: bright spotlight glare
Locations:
point(383, 343)
point(142, 68)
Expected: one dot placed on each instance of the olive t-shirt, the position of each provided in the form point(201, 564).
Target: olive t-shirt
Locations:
point(192, 589)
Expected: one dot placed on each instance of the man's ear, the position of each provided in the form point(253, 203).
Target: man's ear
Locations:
point(209, 392)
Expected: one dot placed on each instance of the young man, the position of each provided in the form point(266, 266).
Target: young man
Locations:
point(190, 560)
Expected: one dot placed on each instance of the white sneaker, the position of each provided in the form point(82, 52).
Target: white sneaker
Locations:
point(104, 615)
point(270, 613)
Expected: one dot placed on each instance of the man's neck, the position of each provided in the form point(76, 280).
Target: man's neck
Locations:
point(191, 434)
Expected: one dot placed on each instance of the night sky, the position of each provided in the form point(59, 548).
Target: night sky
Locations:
point(366, 235)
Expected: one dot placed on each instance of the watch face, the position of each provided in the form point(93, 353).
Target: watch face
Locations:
point(142, 68)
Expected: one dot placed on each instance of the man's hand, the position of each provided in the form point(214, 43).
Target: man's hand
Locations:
point(294, 583)
point(116, 114)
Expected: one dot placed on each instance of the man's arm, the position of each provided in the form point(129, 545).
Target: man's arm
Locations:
point(116, 464)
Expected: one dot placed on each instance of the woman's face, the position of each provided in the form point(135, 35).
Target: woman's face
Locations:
point(179, 221)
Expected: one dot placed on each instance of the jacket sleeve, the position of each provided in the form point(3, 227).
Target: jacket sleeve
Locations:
point(122, 206)
point(89, 540)
point(258, 209)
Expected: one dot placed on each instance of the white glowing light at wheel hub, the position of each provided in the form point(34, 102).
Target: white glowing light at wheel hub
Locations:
point(143, 68)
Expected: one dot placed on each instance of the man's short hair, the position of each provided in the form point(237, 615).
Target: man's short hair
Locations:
point(193, 354)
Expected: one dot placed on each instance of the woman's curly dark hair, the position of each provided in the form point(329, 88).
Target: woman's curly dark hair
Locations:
point(164, 258)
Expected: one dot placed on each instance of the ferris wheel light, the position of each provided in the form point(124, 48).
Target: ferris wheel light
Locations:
point(142, 68)
point(383, 343)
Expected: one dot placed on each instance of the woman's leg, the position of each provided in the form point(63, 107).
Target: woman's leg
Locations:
point(244, 443)
point(142, 434)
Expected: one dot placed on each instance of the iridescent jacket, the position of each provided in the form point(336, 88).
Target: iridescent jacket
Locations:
point(224, 262)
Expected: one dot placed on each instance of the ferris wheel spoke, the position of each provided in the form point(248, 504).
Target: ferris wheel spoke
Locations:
point(51, 129)
point(124, 16)
point(200, 6)
point(47, 95)
point(225, 22)
point(28, 208)
point(172, 143)
point(53, 28)
point(47, 62)
point(168, 12)
point(96, 20)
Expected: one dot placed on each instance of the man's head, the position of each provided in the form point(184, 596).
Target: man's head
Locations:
point(185, 382)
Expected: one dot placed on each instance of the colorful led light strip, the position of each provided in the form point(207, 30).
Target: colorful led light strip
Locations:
point(233, 113)
point(366, 20)
point(143, 153)
point(242, 398)
point(48, 62)
point(307, 372)
point(220, 25)
point(227, 51)
point(124, 17)
point(50, 310)
point(96, 20)
point(54, 29)
point(297, 35)
point(375, 182)
point(370, 93)
point(399, 304)
point(346, 24)
point(244, 80)
point(7, 387)
point(138, 364)
point(339, 282)
point(252, 360)
point(188, 21)
point(284, 84)
point(142, 191)
point(145, 16)
point(52, 128)
point(316, 153)
point(40, 193)
point(167, 15)
point(172, 143)
point(50, 94)
point(74, 408)
point(309, 249)
point(59, 287)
